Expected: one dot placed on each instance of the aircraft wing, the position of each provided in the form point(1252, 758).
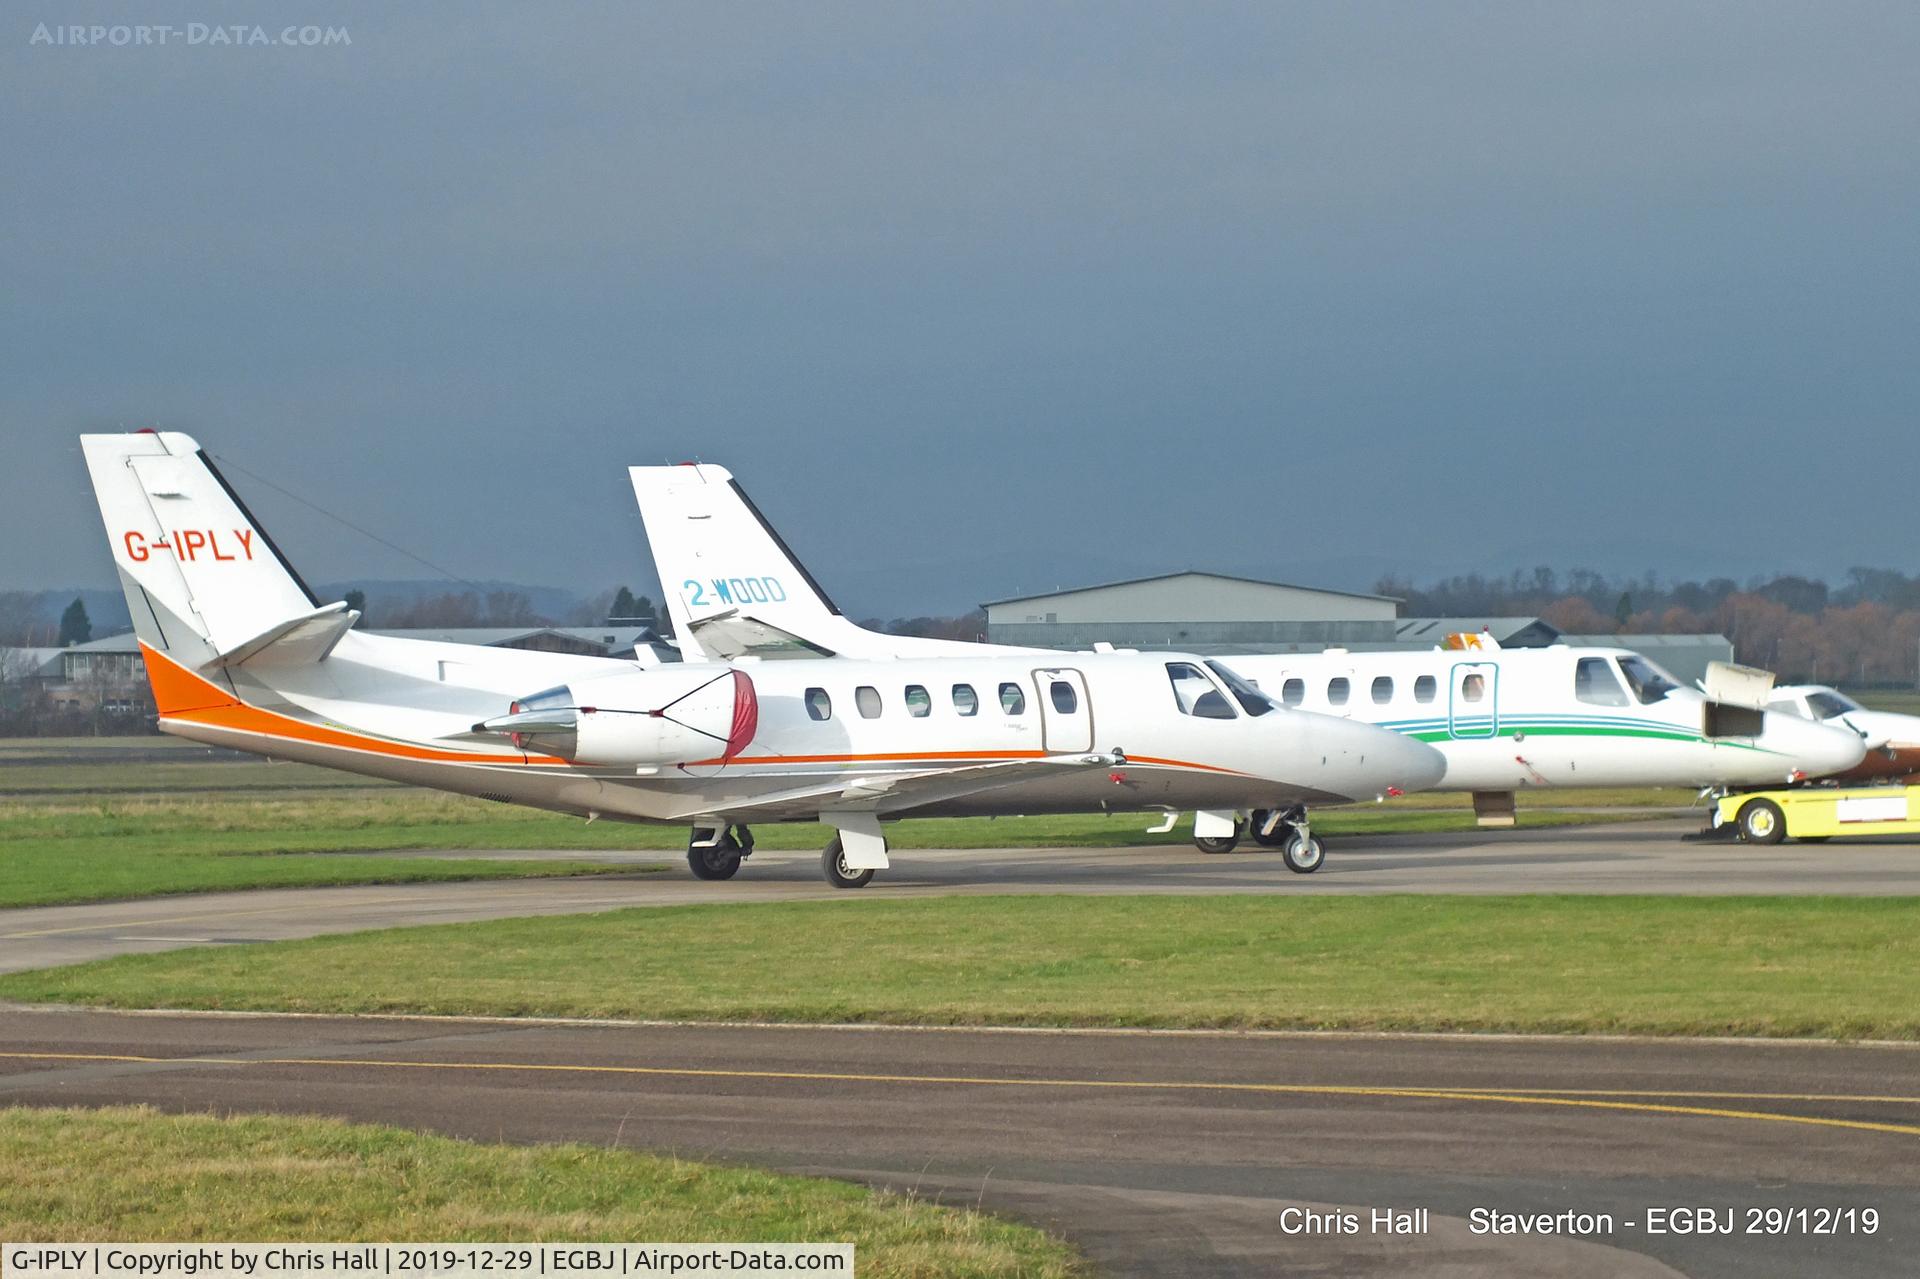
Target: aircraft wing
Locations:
point(901, 792)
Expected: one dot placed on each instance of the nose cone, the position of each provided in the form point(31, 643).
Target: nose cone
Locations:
point(1879, 728)
point(1817, 750)
point(1369, 762)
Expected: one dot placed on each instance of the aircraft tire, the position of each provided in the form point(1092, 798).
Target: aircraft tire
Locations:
point(1257, 819)
point(1762, 822)
point(719, 862)
point(1304, 854)
point(833, 864)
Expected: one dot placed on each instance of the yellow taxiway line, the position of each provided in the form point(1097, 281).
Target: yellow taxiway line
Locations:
point(1574, 1099)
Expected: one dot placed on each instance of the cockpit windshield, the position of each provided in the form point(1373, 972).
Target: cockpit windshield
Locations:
point(1251, 699)
point(1195, 694)
point(1827, 704)
point(1648, 682)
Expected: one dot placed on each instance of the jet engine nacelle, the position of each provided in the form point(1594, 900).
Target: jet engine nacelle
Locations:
point(641, 719)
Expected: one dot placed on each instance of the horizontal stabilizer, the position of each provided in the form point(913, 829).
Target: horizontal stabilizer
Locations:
point(299, 641)
point(733, 634)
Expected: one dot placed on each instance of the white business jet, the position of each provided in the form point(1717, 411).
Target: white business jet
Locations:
point(241, 654)
point(1892, 739)
point(1505, 719)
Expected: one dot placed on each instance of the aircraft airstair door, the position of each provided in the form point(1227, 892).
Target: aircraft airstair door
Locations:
point(1066, 713)
point(1473, 707)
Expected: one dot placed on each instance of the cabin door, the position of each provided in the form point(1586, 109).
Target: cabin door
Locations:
point(1066, 713)
point(1473, 709)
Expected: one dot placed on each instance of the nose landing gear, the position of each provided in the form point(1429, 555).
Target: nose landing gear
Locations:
point(1287, 830)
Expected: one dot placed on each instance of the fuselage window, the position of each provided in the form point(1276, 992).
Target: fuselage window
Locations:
point(819, 705)
point(964, 700)
point(1293, 692)
point(1473, 688)
point(1063, 696)
point(1195, 694)
point(1382, 689)
point(1426, 688)
point(1787, 708)
point(1593, 681)
point(919, 701)
point(867, 698)
point(1012, 700)
point(1337, 689)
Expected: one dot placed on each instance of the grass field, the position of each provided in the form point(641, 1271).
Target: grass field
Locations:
point(1904, 700)
point(1830, 967)
point(90, 848)
point(136, 1174)
point(97, 819)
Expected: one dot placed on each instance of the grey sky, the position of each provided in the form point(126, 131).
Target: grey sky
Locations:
point(988, 299)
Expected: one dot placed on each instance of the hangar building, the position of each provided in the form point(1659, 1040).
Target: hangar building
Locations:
point(1218, 613)
point(1194, 611)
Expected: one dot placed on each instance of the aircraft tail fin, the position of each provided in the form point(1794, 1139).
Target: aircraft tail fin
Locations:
point(717, 556)
point(734, 588)
point(205, 584)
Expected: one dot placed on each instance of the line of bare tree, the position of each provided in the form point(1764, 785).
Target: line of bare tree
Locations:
point(1863, 632)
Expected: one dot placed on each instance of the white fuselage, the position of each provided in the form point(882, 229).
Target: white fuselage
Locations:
point(1539, 717)
point(1892, 739)
point(731, 581)
point(408, 710)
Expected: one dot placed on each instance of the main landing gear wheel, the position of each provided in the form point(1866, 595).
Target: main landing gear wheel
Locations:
point(722, 860)
point(1303, 854)
point(1761, 822)
point(1257, 827)
point(1220, 843)
point(833, 863)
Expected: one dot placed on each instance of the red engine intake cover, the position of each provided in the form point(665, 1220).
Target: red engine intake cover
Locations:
point(746, 716)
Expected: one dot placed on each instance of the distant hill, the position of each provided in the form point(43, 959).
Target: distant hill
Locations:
point(387, 595)
point(107, 608)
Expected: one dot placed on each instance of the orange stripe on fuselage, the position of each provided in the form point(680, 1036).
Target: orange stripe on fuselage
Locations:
point(890, 757)
point(1183, 763)
point(927, 756)
point(181, 694)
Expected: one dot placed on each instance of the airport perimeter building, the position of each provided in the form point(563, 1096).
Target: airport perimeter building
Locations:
point(1218, 613)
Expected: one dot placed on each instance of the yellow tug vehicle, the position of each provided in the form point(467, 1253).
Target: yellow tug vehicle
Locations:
point(1815, 813)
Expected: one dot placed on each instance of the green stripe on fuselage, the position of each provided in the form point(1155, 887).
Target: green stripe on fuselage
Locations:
point(1587, 730)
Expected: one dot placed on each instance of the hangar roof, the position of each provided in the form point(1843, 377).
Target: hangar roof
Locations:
point(1511, 632)
point(1187, 573)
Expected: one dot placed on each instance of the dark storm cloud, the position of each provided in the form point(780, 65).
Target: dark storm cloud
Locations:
point(989, 299)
